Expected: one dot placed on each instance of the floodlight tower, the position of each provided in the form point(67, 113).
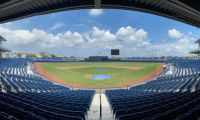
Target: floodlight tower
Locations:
point(48, 48)
point(153, 50)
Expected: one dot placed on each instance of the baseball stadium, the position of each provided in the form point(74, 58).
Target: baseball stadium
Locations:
point(99, 60)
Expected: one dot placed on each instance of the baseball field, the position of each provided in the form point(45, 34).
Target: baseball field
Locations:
point(99, 74)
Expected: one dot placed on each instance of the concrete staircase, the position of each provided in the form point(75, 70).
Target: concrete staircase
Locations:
point(94, 108)
point(106, 111)
point(94, 113)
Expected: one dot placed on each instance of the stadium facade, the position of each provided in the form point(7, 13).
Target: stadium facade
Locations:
point(97, 59)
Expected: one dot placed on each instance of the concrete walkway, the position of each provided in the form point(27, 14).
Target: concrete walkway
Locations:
point(94, 112)
point(106, 111)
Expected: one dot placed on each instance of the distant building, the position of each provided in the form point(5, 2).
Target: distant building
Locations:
point(97, 58)
point(43, 55)
point(9, 55)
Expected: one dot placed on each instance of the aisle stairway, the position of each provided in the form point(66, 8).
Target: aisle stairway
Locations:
point(94, 112)
point(106, 111)
point(94, 108)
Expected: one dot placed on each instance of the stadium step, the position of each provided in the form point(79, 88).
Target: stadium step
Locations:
point(94, 112)
point(94, 108)
point(29, 69)
point(106, 111)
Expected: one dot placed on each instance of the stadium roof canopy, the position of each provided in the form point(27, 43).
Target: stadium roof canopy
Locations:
point(195, 52)
point(2, 38)
point(3, 50)
point(198, 41)
point(187, 11)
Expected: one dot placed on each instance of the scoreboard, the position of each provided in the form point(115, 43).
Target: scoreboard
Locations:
point(114, 51)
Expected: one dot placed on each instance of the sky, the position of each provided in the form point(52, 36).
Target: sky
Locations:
point(92, 32)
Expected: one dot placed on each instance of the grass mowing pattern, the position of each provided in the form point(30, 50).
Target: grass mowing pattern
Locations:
point(119, 75)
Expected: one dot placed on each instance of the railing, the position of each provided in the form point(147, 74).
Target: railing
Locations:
point(100, 116)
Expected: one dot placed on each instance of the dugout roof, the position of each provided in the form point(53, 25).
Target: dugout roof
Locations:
point(187, 11)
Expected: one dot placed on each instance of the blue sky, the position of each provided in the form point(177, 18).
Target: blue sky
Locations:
point(95, 32)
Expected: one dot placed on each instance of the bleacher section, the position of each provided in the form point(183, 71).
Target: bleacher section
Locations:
point(32, 97)
point(135, 105)
point(29, 83)
point(171, 83)
point(166, 97)
point(25, 96)
point(13, 66)
point(185, 66)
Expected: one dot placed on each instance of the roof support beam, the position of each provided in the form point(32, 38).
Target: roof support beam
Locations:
point(186, 11)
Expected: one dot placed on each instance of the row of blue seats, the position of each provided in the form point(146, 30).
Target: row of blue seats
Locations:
point(14, 65)
point(134, 105)
point(185, 66)
point(166, 97)
point(29, 83)
point(171, 83)
point(72, 105)
point(24, 96)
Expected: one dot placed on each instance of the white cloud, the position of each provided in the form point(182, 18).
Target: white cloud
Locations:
point(100, 38)
point(131, 40)
point(132, 37)
point(174, 33)
point(79, 25)
point(27, 41)
point(57, 25)
point(71, 39)
point(8, 23)
point(181, 46)
point(95, 12)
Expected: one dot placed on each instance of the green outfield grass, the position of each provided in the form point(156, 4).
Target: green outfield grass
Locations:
point(81, 77)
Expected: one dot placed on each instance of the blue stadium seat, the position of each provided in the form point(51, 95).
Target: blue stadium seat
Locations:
point(166, 97)
point(29, 97)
